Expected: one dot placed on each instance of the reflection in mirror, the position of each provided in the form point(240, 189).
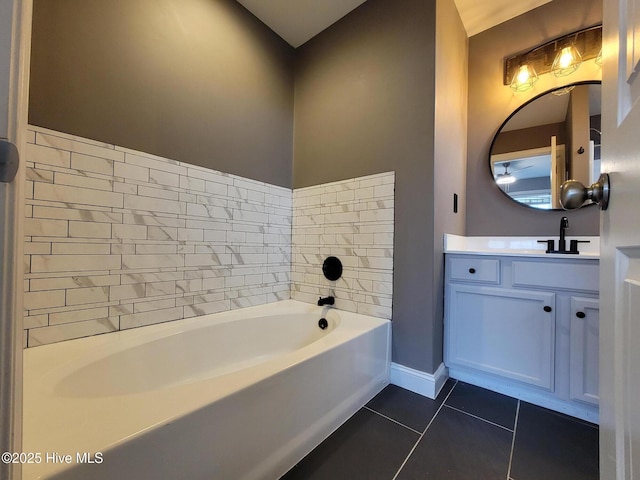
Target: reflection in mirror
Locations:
point(554, 137)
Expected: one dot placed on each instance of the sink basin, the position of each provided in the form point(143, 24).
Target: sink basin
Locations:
point(517, 246)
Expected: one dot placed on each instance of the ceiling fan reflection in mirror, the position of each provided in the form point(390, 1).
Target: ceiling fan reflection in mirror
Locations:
point(507, 178)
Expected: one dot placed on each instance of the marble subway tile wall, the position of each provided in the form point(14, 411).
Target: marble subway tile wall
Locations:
point(117, 239)
point(352, 220)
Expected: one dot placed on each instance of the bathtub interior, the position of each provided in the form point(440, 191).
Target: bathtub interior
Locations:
point(78, 399)
point(219, 348)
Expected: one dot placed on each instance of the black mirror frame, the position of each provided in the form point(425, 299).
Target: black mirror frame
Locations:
point(515, 112)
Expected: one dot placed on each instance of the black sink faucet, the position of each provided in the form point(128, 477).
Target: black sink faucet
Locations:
point(562, 244)
point(326, 301)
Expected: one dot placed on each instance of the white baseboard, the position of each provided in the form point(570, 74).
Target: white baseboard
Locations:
point(426, 384)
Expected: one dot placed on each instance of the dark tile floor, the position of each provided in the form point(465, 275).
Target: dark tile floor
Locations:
point(466, 433)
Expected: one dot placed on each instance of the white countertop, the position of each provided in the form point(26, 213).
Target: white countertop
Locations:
point(518, 246)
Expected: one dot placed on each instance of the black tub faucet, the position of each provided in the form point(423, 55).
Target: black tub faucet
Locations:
point(326, 301)
point(562, 244)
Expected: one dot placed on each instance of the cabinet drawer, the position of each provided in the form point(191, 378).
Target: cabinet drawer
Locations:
point(566, 276)
point(481, 270)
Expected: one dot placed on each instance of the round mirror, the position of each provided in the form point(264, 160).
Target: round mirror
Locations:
point(552, 138)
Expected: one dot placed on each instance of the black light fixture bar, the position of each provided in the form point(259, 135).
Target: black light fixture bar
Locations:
point(588, 41)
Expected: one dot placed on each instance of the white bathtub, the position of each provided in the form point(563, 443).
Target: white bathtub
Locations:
point(236, 395)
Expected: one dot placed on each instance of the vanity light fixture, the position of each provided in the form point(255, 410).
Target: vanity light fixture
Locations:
point(567, 61)
point(524, 78)
point(599, 59)
point(561, 56)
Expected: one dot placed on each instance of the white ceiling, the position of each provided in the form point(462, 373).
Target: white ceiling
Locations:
point(296, 21)
point(480, 15)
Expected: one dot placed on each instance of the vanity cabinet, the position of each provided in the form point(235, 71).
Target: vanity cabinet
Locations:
point(526, 327)
point(506, 332)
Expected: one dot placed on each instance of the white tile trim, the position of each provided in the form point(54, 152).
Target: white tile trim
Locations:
point(426, 384)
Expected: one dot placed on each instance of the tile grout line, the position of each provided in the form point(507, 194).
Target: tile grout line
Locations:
point(480, 418)
point(513, 440)
point(391, 419)
point(423, 433)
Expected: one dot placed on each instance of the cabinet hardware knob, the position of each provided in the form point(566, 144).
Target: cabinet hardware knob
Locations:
point(580, 314)
point(472, 270)
point(547, 308)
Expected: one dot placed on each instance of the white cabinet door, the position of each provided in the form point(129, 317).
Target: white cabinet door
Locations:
point(585, 321)
point(506, 332)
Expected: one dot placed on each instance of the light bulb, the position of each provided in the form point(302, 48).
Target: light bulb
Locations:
point(523, 74)
point(566, 62)
point(524, 78)
point(566, 58)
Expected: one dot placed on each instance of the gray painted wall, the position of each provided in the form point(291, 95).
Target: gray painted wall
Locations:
point(199, 81)
point(365, 93)
point(450, 150)
point(489, 212)
point(202, 81)
point(365, 103)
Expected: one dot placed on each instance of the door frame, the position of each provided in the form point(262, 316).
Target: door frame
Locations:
point(12, 209)
point(619, 242)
